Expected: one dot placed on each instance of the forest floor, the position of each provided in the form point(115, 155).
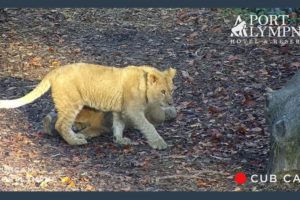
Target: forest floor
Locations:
point(220, 128)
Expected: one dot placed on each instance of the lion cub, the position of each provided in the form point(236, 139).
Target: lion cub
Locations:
point(126, 92)
point(93, 123)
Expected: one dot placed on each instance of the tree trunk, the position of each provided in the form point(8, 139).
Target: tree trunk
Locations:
point(283, 118)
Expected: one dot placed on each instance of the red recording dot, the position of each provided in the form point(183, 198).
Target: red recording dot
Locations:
point(240, 178)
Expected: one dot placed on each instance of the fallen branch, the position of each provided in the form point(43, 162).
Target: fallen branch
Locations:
point(192, 176)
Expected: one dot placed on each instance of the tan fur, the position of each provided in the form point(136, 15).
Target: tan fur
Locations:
point(124, 91)
point(93, 123)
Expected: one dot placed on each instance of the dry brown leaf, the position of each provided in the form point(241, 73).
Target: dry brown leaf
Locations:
point(186, 104)
point(51, 50)
point(217, 30)
point(248, 100)
point(90, 188)
point(77, 50)
point(242, 129)
point(36, 61)
point(192, 36)
point(216, 134)
point(233, 58)
point(213, 110)
point(201, 184)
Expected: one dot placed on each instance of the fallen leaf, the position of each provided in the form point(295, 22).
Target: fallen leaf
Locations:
point(256, 129)
point(217, 30)
point(51, 50)
point(68, 181)
point(295, 64)
point(186, 75)
point(192, 36)
point(196, 125)
point(216, 134)
point(90, 188)
point(242, 129)
point(248, 100)
point(126, 189)
point(186, 104)
point(65, 179)
point(213, 110)
point(190, 62)
point(44, 183)
point(71, 184)
point(36, 61)
point(201, 183)
point(77, 50)
point(204, 27)
point(55, 63)
point(233, 58)
point(284, 50)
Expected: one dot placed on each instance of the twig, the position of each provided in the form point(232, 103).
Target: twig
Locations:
point(176, 157)
point(193, 176)
point(177, 176)
point(182, 17)
point(220, 158)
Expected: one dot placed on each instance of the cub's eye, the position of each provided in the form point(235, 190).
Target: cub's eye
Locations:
point(163, 91)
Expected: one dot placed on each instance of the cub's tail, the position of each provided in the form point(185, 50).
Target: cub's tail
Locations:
point(40, 89)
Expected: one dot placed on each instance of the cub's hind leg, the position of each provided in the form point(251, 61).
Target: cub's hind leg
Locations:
point(65, 120)
point(49, 123)
point(50, 120)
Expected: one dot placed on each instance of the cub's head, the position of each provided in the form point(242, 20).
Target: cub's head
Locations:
point(160, 86)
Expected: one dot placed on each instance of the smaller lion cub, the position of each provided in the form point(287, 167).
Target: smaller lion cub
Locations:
point(126, 92)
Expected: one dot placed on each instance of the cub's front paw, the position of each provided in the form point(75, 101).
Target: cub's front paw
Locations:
point(158, 144)
point(122, 141)
point(78, 140)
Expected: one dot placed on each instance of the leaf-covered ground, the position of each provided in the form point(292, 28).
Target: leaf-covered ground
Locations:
point(220, 128)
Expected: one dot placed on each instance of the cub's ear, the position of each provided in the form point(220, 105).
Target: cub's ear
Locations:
point(171, 72)
point(152, 79)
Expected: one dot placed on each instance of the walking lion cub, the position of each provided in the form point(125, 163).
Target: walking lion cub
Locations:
point(126, 92)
